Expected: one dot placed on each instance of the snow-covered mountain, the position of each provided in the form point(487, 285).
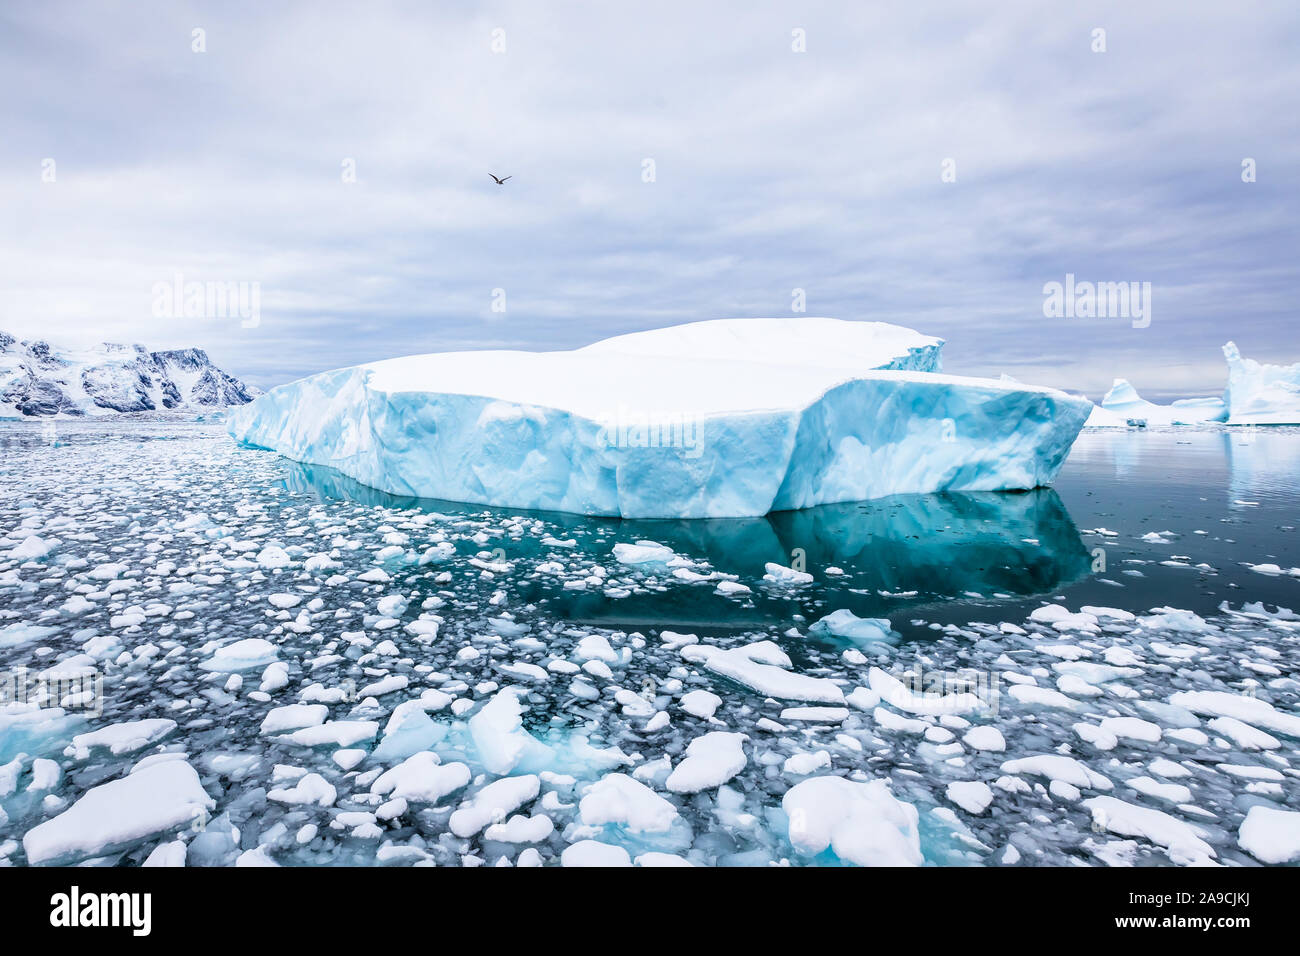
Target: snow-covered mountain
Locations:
point(39, 379)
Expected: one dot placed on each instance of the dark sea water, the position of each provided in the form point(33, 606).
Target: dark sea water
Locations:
point(1220, 500)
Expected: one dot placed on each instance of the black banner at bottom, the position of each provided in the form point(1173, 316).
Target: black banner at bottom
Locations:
point(333, 906)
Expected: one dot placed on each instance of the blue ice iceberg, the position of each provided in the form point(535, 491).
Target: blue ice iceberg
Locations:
point(731, 418)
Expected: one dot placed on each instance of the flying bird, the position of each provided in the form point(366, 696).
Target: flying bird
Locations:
point(499, 182)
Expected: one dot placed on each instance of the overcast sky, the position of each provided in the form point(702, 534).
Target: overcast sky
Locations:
point(774, 170)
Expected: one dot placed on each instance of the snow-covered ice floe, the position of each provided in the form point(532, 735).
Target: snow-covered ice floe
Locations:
point(729, 418)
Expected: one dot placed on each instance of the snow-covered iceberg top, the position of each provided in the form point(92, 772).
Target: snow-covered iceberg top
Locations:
point(715, 419)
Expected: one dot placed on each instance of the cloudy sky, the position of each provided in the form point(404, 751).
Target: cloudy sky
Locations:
point(774, 170)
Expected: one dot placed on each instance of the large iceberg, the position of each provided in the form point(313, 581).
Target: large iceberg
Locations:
point(1122, 404)
point(1260, 394)
point(730, 418)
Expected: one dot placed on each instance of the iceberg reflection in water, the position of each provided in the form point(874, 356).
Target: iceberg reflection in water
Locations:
point(891, 553)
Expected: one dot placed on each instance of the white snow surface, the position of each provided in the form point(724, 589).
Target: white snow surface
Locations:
point(716, 419)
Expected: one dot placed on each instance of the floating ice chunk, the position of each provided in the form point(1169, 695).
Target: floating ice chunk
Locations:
point(594, 853)
point(1271, 835)
point(171, 853)
point(1094, 735)
point(492, 803)
point(11, 635)
point(1183, 841)
point(643, 552)
point(107, 572)
point(700, 703)
point(1250, 710)
point(762, 667)
point(408, 731)
point(1059, 767)
point(32, 548)
point(243, 655)
point(149, 801)
point(780, 574)
point(1043, 697)
point(972, 796)
point(273, 556)
point(1243, 735)
point(863, 698)
point(1062, 619)
point(500, 738)
point(521, 829)
point(123, 738)
point(595, 647)
point(710, 761)
point(274, 677)
point(724, 588)
point(897, 694)
point(386, 685)
point(844, 623)
point(619, 799)
point(1173, 792)
point(1131, 728)
point(420, 778)
point(825, 715)
point(348, 758)
point(801, 765)
point(335, 733)
point(311, 788)
point(861, 823)
point(888, 720)
point(1168, 769)
point(258, 856)
point(661, 859)
point(985, 738)
point(293, 717)
point(45, 775)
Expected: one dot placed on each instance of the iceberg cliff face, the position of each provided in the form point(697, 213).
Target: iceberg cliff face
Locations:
point(727, 419)
point(1260, 394)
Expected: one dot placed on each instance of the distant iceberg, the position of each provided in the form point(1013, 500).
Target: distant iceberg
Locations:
point(1256, 394)
point(1259, 394)
point(731, 418)
point(1123, 404)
